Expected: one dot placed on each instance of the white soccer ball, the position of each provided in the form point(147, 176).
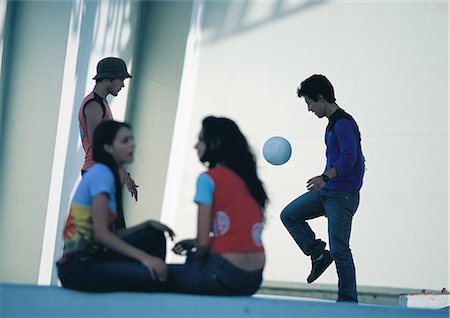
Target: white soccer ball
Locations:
point(277, 150)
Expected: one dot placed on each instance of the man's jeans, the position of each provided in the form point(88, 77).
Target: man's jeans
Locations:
point(339, 208)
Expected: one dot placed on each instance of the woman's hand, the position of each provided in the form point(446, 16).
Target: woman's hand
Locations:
point(184, 247)
point(101, 214)
point(156, 267)
point(161, 227)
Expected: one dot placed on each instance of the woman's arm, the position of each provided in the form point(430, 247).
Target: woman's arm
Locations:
point(100, 219)
point(200, 245)
point(150, 223)
point(203, 239)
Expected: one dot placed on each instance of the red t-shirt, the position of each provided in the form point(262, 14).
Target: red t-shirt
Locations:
point(107, 115)
point(237, 217)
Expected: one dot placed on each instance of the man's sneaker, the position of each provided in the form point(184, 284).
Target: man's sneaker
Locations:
point(319, 266)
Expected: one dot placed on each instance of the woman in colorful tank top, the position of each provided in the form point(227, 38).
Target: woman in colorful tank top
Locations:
point(227, 256)
point(100, 254)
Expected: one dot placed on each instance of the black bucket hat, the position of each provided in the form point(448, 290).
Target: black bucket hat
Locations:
point(112, 67)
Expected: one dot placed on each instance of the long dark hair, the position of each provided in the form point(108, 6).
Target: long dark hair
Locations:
point(225, 144)
point(104, 134)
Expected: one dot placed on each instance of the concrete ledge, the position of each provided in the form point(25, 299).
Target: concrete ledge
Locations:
point(43, 301)
point(426, 300)
point(366, 294)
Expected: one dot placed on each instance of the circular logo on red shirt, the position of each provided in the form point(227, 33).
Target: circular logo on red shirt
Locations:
point(221, 223)
point(257, 234)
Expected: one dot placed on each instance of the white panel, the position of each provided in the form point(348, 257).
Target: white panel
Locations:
point(388, 62)
point(426, 300)
point(30, 121)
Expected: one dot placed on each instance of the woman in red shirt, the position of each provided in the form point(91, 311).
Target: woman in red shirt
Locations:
point(227, 256)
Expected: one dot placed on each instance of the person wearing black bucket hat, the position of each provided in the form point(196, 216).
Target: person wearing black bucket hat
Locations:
point(110, 77)
point(113, 68)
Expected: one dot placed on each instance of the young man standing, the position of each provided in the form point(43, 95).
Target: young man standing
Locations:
point(333, 194)
point(111, 73)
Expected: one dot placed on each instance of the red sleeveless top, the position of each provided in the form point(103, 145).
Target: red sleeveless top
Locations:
point(107, 114)
point(237, 217)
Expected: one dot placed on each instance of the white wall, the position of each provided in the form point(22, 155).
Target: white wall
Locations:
point(3, 28)
point(56, 46)
point(29, 127)
point(388, 64)
point(154, 100)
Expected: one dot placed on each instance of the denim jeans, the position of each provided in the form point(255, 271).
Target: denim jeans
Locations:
point(339, 208)
point(213, 275)
point(109, 271)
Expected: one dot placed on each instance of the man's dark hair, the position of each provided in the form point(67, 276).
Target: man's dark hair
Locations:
point(98, 80)
point(315, 85)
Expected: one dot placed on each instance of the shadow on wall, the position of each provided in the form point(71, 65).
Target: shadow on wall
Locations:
point(7, 14)
point(228, 18)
